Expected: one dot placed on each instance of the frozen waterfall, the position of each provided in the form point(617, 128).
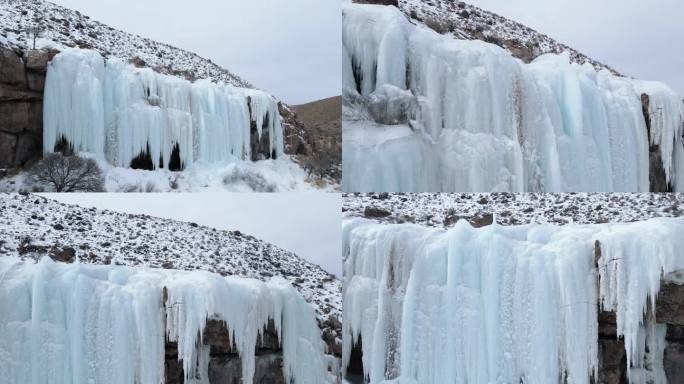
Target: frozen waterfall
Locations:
point(427, 112)
point(118, 112)
point(503, 304)
point(80, 324)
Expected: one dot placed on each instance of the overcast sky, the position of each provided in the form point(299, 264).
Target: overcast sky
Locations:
point(642, 39)
point(289, 48)
point(308, 224)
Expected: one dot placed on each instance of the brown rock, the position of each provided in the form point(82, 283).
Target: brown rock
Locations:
point(37, 60)
point(64, 255)
point(670, 304)
point(673, 362)
point(11, 68)
point(7, 144)
point(14, 117)
point(375, 212)
point(29, 147)
point(482, 220)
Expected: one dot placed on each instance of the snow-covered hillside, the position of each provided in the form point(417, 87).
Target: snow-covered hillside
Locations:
point(468, 22)
point(79, 323)
point(64, 27)
point(32, 226)
point(445, 209)
point(510, 304)
point(428, 112)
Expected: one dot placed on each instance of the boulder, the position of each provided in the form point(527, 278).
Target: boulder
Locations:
point(375, 212)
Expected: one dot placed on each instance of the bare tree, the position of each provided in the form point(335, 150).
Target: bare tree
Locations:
point(68, 173)
point(35, 31)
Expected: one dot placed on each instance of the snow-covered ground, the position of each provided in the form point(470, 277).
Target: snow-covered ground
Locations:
point(506, 304)
point(64, 28)
point(80, 323)
point(32, 227)
point(465, 115)
point(444, 209)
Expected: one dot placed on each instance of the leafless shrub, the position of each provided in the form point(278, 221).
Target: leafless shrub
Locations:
point(67, 174)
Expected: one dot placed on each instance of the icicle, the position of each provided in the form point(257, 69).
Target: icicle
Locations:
point(118, 112)
point(81, 324)
point(478, 119)
point(501, 303)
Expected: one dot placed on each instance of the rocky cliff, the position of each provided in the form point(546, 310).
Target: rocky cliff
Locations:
point(22, 80)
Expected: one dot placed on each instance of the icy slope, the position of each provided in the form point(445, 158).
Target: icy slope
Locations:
point(68, 28)
point(32, 226)
point(117, 111)
point(427, 112)
point(503, 304)
point(77, 323)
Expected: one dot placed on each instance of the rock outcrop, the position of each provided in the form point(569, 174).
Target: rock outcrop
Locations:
point(224, 360)
point(22, 79)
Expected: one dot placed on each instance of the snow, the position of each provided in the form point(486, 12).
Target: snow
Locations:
point(443, 209)
point(75, 323)
point(117, 111)
point(68, 28)
point(482, 120)
point(503, 303)
point(468, 22)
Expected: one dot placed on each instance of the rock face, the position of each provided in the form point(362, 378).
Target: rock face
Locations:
point(224, 362)
point(313, 134)
point(22, 79)
point(656, 172)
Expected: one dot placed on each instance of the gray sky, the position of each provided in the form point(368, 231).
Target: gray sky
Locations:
point(290, 48)
point(642, 39)
point(308, 224)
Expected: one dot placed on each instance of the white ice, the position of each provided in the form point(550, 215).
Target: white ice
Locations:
point(115, 110)
point(502, 304)
point(84, 324)
point(482, 120)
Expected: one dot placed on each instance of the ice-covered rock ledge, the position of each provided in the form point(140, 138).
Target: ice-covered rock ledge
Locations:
point(73, 323)
point(514, 304)
point(426, 112)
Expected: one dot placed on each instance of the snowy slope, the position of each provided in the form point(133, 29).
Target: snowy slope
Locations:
point(507, 304)
point(427, 112)
point(32, 226)
point(465, 21)
point(68, 28)
point(444, 209)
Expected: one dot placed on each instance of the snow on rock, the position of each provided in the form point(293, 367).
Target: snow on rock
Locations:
point(117, 111)
point(466, 21)
point(503, 303)
point(481, 120)
point(445, 209)
point(77, 323)
point(65, 28)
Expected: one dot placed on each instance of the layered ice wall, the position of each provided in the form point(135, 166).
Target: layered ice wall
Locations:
point(118, 112)
point(80, 324)
point(503, 304)
point(426, 112)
